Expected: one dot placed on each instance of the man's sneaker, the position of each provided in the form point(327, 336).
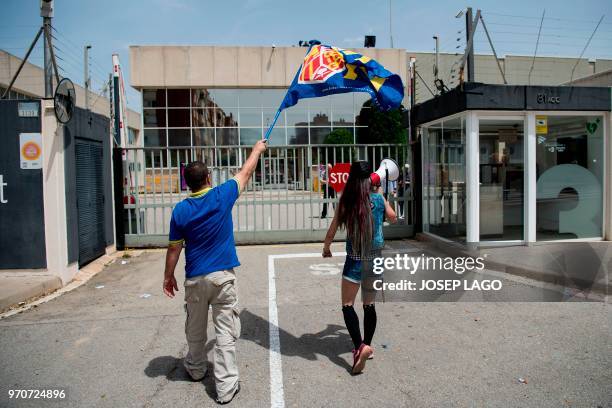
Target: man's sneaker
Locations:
point(228, 398)
point(360, 356)
point(196, 375)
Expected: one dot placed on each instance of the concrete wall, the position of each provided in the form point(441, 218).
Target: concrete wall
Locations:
point(599, 79)
point(546, 70)
point(54, 193)
point(249, 67)
point(31, 82)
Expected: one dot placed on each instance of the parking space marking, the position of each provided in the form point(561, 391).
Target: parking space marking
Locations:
point(277, 393)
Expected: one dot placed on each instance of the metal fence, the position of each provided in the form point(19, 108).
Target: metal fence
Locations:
point(283, 202)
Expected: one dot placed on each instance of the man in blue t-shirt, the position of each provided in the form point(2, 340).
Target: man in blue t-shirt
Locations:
point(203, 223)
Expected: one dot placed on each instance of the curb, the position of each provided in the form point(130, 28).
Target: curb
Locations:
point(28, 287)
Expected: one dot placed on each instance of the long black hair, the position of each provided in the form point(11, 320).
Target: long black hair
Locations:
point(354, 209)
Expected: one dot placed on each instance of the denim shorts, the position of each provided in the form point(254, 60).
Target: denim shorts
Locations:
point(352, 270)
point(355, 269)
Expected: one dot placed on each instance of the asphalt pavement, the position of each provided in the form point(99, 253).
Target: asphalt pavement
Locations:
point(117, 341)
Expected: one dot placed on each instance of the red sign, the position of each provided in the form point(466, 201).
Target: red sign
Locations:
point(339, 175)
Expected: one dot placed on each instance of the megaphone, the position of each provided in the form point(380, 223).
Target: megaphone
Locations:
point(388, 170)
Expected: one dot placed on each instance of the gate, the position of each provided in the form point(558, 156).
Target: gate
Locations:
point(282, 202)
point(90, 199)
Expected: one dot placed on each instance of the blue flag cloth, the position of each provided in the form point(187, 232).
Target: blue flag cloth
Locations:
point(328, 70)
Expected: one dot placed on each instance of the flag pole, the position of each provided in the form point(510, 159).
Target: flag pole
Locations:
point(267, 135)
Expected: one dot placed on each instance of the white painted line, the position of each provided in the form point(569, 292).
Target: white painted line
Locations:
point(277, 393)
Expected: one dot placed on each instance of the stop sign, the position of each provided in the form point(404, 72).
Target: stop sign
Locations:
point(338, 176)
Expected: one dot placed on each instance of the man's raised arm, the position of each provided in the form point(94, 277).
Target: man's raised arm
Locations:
point(244, 175)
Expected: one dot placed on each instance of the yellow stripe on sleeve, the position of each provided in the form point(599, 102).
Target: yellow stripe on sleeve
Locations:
point(238, 183)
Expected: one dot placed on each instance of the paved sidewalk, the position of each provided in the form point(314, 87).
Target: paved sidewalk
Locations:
point(17, 287)
point(24, 288)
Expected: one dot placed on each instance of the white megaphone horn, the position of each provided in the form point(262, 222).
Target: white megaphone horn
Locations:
point(388, 170)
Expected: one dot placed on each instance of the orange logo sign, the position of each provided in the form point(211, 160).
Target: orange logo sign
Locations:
point(30, 151)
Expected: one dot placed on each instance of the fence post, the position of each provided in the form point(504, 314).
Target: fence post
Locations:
point(118, 193)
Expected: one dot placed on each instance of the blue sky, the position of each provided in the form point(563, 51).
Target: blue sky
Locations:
point(112, 26)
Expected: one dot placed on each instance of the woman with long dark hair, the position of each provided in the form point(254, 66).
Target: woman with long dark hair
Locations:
point(360, 212)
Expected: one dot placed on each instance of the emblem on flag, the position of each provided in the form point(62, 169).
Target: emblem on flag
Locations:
point(328, 70)
point(321, 63)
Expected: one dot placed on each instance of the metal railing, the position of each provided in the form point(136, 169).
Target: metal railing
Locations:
point(283, 201)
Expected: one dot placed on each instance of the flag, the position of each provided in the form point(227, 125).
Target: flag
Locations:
point(328, 70)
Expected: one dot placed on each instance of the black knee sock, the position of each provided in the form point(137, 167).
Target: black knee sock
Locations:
point(352, 324)
point(369, 323)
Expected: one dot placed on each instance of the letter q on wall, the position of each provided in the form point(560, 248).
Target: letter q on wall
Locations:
point(584, 220)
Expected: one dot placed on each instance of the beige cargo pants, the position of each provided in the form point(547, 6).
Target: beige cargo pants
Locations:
point(217, 289)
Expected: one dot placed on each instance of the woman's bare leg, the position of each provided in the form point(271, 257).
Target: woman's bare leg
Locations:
point(348, 292)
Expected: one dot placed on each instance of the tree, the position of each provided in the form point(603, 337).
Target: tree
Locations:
point(382, 127)
point(339, 136)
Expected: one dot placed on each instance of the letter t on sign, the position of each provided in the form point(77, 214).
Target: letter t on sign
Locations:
point(2, 185)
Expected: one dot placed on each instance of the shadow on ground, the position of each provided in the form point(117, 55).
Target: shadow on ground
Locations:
point(331, 342)
point(173, 369)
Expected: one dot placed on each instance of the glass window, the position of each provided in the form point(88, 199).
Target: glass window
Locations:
point(277, 136)
point(320, 111)
point(361, 106)
point(154, 137)
point(225, 98)
point(178, 98)
point(501, 179)
point(226, 137)
point(203, 137)
point(249, 98)
point(318, 135)
point(272, 98)
point(248, 136)
point(179, 137)
point(203, 117)
point(268, 117)
point(226, 117)
point(341, 135)
point(342, 117)
point(570, 165)
point(178, 118)
point(342, 110)
point(154, 98)
point(201, 98)
point(154, 117)
point(297, 135)
point(297, 115)
point(362, 135)
point(444, 179)
point(250, 117)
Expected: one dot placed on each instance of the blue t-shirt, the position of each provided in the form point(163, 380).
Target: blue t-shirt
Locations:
point(204, 222)
point(377, 203)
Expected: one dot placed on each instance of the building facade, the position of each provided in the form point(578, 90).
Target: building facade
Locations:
point(516, 164)
point(216, 96)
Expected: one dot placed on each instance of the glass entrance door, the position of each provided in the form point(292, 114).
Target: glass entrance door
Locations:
point(501, 153)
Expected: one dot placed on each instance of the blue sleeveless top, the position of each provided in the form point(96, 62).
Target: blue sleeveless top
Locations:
point(377, 203)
